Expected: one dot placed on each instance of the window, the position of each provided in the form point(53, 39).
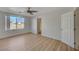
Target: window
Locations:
point(14, 22)
point(20, 23)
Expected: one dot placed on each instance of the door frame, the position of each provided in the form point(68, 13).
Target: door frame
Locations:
point(75, 27)
point(74, 31)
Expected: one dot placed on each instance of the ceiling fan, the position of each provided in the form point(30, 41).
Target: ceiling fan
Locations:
point(24, 10)
point(30, 11)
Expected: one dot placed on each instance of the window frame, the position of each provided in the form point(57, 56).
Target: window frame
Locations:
point(7, 25)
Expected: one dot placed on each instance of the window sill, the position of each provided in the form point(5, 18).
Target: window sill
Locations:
point(13, 29)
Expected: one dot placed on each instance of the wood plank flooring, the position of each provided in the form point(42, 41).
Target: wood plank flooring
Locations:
point(32, 42)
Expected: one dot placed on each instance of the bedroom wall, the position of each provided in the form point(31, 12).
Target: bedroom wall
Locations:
point(8, 33)
point(51, 25)
point(34, 25)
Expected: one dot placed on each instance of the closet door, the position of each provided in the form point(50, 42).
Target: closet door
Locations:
point(67, 26)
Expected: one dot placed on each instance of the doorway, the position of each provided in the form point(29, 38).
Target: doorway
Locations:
point(39, 25)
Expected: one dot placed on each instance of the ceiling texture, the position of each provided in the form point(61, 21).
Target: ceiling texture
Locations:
point(41, 10)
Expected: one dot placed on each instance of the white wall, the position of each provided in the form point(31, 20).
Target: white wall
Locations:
point(8, 33)
point(51, 25)
point(34, 25)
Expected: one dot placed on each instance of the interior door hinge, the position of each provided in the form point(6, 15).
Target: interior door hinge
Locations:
point(74, 42)
point(74, 14)
point(74, 29)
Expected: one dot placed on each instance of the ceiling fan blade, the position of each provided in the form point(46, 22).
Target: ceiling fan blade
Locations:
point(34, 11)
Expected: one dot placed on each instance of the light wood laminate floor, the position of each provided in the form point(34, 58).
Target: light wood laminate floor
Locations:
point(32, 42)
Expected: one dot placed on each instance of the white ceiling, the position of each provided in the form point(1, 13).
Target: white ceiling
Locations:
point(41, 10)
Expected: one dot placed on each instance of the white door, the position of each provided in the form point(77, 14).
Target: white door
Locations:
point(67, 26)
